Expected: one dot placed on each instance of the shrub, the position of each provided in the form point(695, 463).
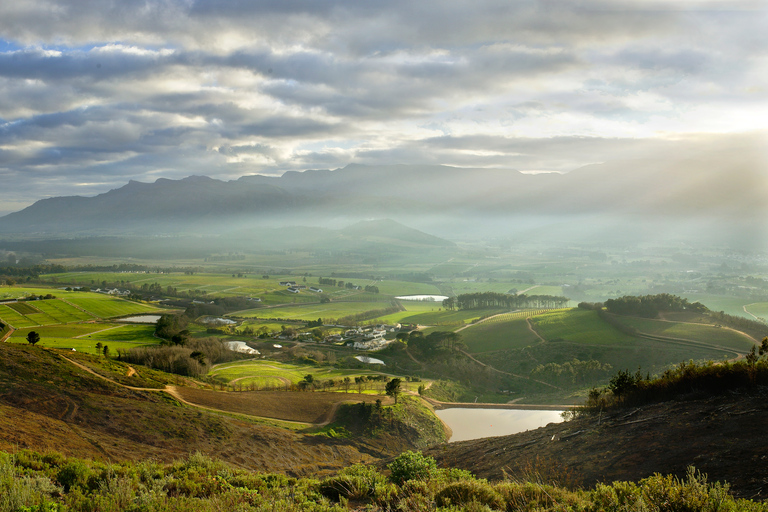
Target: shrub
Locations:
point(74, 473)
point(465, 492)
point(411, 466)
point(354, 482)
point(535, 496)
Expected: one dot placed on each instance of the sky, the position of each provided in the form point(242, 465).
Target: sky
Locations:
point(94, 93)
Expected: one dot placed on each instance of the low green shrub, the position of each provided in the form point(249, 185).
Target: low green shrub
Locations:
point(464, 492)
point(411, 466)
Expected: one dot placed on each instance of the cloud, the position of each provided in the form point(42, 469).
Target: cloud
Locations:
point(93, 93)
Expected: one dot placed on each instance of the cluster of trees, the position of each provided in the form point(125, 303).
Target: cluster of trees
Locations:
point(502, 300)
point(572, 373)
point(192, 359)
point(348, 284)
point(649, 306)
point(173, 329)
point(433, 344)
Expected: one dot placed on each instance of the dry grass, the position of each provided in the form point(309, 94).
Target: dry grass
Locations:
point(306, 407)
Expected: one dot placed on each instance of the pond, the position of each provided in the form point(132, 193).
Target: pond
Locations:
point(242, 347)
point(424, 298)
point(468, 423)
point(141, 319)
point(369, 360)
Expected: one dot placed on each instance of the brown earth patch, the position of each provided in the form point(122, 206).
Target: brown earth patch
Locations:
point(301, 406)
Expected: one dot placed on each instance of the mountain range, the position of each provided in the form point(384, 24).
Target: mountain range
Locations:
point(707, 195)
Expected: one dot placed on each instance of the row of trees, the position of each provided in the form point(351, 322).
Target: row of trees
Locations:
point(480, 300)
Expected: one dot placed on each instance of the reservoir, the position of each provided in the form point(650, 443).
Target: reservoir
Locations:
point(141, 319)
point(478, 423)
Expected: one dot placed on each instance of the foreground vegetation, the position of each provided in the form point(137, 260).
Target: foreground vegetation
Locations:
point(50, 482)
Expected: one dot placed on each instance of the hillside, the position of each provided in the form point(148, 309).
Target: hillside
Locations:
point(722, 436)
point(50, 403)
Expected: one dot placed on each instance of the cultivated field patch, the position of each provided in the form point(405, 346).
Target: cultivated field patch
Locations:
point(689, 331)
point(493, 335)
point(578, 326)
point(109, 307)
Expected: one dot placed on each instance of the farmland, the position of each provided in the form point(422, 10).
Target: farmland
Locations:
point(503, 332)
point(260, 374)
point(84, 337)
point(75, 320)
point(691, 331)
point(578, 326)
point(331, 310)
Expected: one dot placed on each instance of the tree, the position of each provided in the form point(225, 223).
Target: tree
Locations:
point(393, 388)
point(106, 350)
point(33, 337)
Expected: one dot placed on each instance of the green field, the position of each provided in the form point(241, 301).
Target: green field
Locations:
point(447, 317)
point(759, 309)
point(62, 311)
point(83, 337)
point(331, 310)
point(502, 332)
point(11, 316)
point(730, 305)
point(104, 306)
point(274, 374)
point(689, 331)
point(579, 326)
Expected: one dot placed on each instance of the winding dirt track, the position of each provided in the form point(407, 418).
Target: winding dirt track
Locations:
point(174, 392)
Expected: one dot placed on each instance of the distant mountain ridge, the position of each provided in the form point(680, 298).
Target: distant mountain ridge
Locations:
point(462, 198)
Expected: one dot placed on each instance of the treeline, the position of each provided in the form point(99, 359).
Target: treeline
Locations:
point(481, 300)
point(325, 281)
point(32, 270)
point(649, 306)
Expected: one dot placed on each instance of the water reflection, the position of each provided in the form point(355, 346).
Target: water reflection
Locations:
point(478, 423)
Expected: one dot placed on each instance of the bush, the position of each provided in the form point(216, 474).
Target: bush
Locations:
point(534, 496)
point(411, 466)
point(354, 482)
point(74, 473)
point(465, 492)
